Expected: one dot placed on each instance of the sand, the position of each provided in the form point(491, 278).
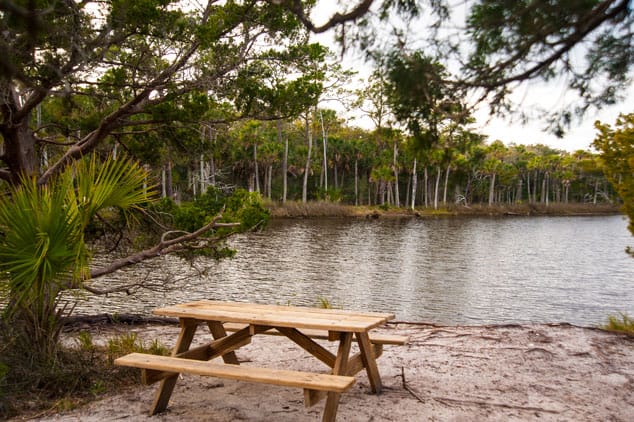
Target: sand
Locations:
point(555, 372)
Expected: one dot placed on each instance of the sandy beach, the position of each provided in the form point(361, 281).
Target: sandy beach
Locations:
point(554, 372)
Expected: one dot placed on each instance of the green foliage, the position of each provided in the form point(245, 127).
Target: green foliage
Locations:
point(514, 41)
point(42, 247)
point(620, 324)
point(616, 146)
point(240, 206)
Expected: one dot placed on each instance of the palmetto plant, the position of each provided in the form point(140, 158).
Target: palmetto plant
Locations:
point(42, 247)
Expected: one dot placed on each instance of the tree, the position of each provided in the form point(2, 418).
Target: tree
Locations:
point(589, 41)
point(43, 250)
point(616, 145)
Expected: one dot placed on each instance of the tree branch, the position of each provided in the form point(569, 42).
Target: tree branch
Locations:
point(162, 248)
point(296, 7)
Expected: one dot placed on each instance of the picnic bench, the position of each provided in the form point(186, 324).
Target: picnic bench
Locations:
point(302, 325)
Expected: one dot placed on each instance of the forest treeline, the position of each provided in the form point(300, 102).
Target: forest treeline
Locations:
point(325, 159)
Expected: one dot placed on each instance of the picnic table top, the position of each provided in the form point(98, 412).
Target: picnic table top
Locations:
point(277, 315)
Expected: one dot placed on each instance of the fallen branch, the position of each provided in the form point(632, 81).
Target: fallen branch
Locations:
point(448, 400)
point(406, 387)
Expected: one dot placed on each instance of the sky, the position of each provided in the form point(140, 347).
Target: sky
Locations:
point(507, 129)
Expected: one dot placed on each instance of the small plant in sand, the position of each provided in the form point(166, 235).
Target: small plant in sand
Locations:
point(621, 323)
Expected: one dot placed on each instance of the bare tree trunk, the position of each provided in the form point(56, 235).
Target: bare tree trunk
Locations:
point(163, 180)
point(492, 190)
point(444, 194)
point(437, 187)
point(256, 168)
point(309, 139)
point(284, 161)
point(426, 175)
point(203, 185)
point(528, 186)
point(212, 171)
point(325, 167)
point(414, 183)
point(356, 181)
point(169, 189)
point(269, 181)
point(397, 195)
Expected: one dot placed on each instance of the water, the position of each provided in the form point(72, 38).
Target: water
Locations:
point(447, 271)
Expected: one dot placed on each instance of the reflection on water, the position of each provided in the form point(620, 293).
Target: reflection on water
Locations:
point(449, 271)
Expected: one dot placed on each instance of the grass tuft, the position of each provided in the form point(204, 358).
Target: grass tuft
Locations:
point(620, 324)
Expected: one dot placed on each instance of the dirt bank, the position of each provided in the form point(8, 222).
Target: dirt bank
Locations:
point(499, 373)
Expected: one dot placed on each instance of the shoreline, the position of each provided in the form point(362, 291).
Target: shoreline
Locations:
point(314, 209)
point(507, 372)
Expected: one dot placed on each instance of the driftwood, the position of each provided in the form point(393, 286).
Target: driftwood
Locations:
point(77, 321)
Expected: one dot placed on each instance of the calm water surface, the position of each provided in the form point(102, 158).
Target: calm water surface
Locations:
point(448, 271)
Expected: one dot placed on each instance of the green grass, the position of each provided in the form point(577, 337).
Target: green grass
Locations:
point(621, 323)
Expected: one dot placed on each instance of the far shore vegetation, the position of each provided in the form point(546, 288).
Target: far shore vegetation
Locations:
point(316, 209)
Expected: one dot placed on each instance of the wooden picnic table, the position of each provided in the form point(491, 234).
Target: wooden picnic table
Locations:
point(299, 324)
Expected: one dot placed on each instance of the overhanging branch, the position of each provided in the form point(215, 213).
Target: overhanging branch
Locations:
point(162, 248)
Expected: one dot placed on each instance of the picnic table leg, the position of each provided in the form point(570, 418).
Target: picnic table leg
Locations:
point(218, 331)
point(341, 363)
point(188, 328)
point(369, 362)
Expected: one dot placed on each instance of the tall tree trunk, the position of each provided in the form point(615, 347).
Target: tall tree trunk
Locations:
point(397, 200)
point(163, 183)
point(414, 185)
point(528, 186)
point(284, 161)
point(356, 181)
point(426, 176)
point(325, 166)
point(169, 189)
point(518, 194)
point(256, 170)
point(212, 170)
point(269, 181)
point(444, 194)
point(492, 190)
point(309, 139)
point(437, 187)
point(203, 179)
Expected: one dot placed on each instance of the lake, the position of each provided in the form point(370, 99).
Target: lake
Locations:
point(447, 271)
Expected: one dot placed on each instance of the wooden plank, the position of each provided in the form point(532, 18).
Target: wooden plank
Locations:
point(268, 308)
point(309, 345)
point(389, 339)
point(369, 362)
point(355, 364)
point(332, 401)
point(296, 317)
point(217, 331)
point(188, 328)
point(205, 352)
point(314, 381)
